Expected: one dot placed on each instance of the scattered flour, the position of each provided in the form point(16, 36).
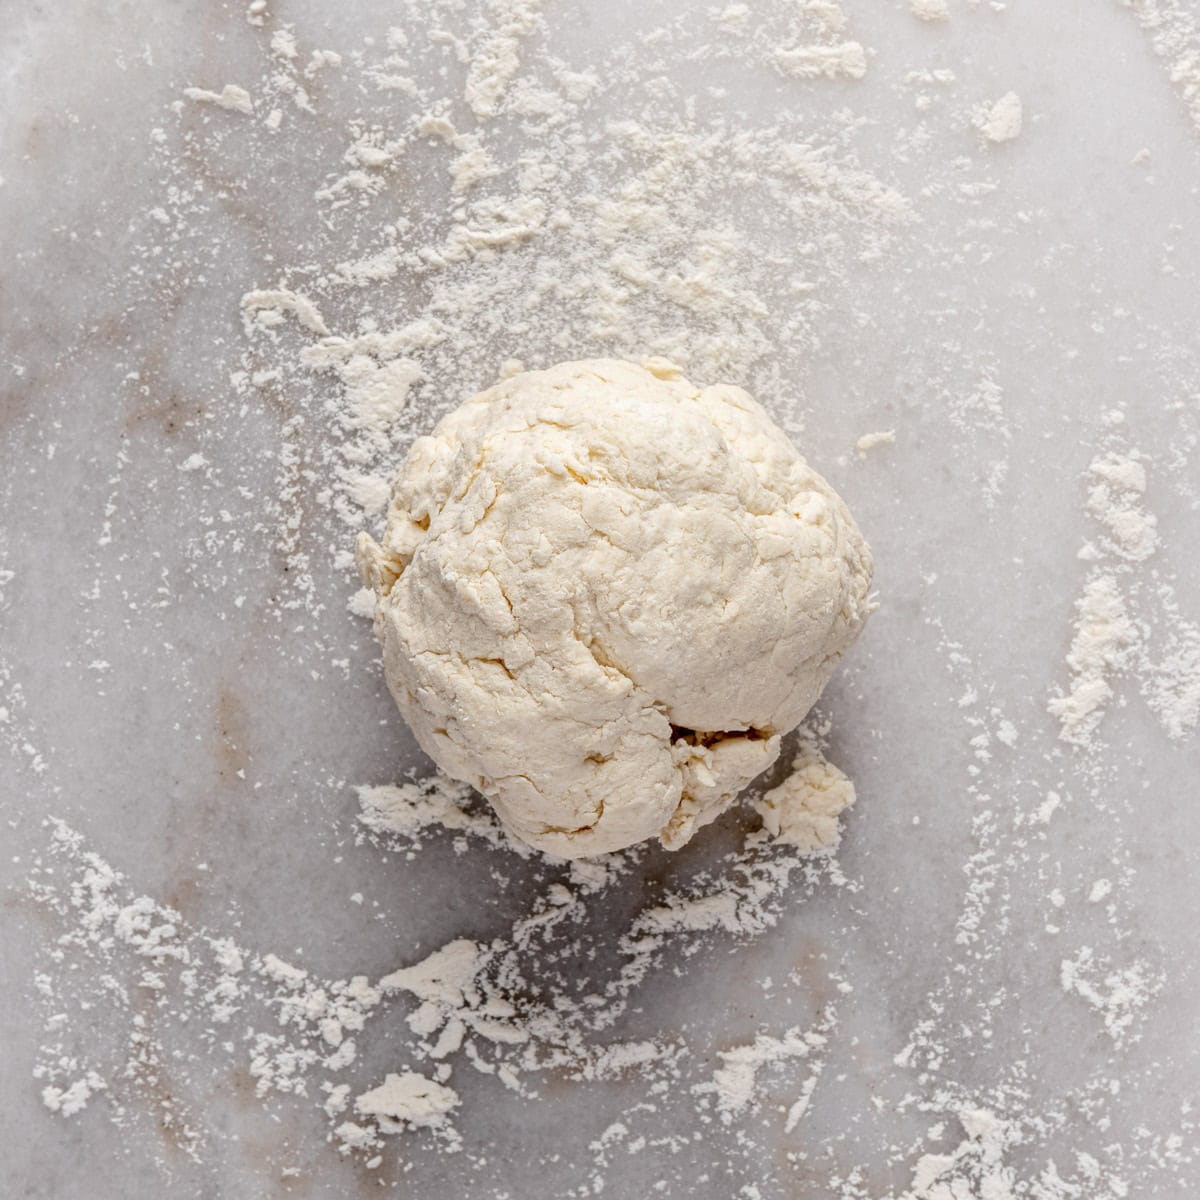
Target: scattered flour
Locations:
point(974, 1168)
point(1103, 646)
point(1172, 681)
point(1119, 995)
point(1174, 30)
point(1124, 625)
point(666, 226)
point(407, 1100)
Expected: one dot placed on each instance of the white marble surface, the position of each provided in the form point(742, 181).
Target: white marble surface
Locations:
point(212, 757)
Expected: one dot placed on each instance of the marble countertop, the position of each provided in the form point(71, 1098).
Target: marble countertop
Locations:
point(1011, 925)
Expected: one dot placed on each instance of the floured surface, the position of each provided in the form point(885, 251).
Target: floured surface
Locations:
point(298, 245)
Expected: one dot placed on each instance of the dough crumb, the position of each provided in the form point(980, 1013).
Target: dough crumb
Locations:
point(495, 64)
point(869, 441)
point(362, 603)
point(846, 60)
point(929, 10)
point(1115, 500)
point(1104, 640)
point(803, 810)
point(1002, 121)
point(736, 1083)
point(1118, 995)
point(230, 97)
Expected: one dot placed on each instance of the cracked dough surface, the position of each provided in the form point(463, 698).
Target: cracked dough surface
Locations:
point(604, 594)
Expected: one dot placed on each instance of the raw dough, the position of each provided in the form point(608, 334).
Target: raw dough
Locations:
point(804, 809)
point(604, 594)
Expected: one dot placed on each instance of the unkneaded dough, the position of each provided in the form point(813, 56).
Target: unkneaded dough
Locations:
point(603, 595)
point(804, 809)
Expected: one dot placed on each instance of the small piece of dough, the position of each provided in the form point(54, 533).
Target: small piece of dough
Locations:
point(230, 97)
point(604, 594)
point(929, 10)
point(869, 441)
point(804, 809)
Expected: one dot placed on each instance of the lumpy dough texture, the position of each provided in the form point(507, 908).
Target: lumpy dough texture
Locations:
point(603, 595)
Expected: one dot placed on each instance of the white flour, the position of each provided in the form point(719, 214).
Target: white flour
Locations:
point(804, 809)
point(1174, 31)
point(231, 97)
point(298, 1035)
point(1109, 638)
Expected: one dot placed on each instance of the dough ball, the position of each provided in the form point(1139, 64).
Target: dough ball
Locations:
point(604, 594)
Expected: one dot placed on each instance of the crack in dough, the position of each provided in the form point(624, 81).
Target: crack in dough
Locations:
point(603, 595)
